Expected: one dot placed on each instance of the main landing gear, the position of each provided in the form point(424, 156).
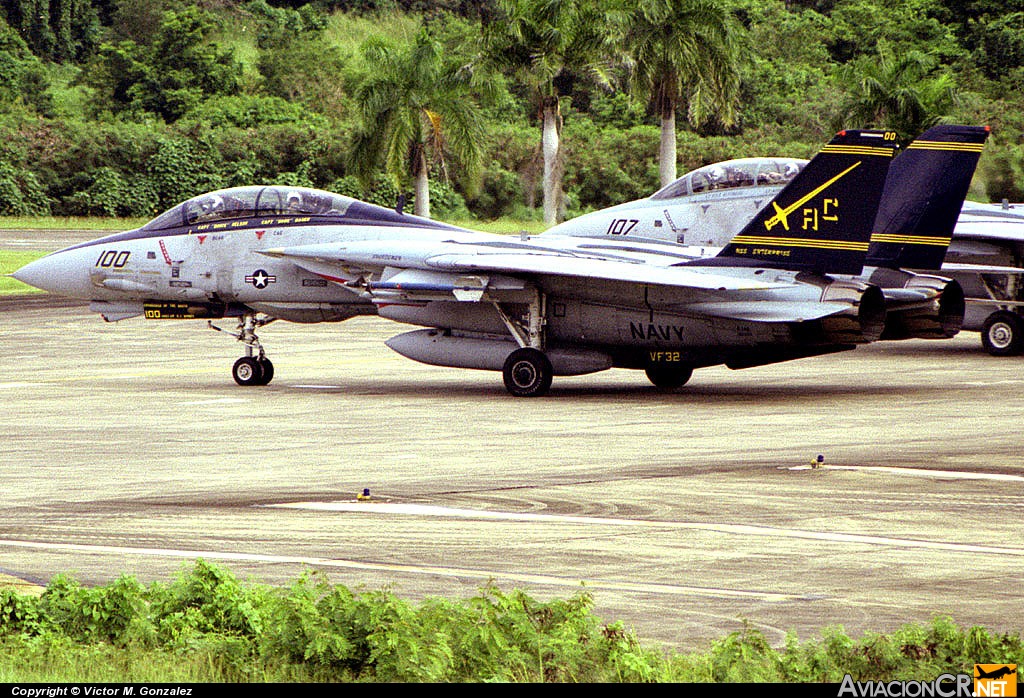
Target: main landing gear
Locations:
point(527, 371)
point(254, 368)
point(1003, 334)
point(669, 376)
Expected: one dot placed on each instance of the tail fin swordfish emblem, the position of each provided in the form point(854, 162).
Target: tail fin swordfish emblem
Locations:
point(821, 221)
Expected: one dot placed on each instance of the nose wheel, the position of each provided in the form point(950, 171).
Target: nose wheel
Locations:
point(254, 368)
point(250, 370)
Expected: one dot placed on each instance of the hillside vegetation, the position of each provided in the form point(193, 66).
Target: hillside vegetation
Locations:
point(125, 107)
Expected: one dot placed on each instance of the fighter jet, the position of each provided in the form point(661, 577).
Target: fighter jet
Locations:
point(986, 257)
point(920, 218)
point(529, 308)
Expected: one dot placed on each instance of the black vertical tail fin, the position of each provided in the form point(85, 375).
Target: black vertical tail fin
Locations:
point(924, 192)
point(822, 220)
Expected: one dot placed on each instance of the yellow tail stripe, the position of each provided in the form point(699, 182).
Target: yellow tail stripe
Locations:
point(761, 239)
point(910, 239)
point(797, 242)
point(946, 145)
point(858, 150)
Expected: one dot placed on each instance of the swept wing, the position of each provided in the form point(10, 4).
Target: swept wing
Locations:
point(455, 257)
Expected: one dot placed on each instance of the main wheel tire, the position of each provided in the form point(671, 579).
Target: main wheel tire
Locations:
point(527, 373)
point(1003, 334)
point(268, 371)
point(669, 376)
point(247, 371)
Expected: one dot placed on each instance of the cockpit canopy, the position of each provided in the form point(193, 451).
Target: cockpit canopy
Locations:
point(247, 202)
point(746, 172)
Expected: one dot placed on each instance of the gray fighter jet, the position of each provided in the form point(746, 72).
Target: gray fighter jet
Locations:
point(531, 308)
point(986, 257)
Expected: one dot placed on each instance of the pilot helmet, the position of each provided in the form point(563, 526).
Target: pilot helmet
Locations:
point(213, 203)
point(294, 198)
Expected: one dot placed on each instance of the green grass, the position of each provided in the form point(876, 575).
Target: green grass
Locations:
point(348, 31)
point(505, 226)
point(69, 223)
point(12, 261)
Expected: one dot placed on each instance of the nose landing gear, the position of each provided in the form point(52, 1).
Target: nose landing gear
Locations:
point(250, 370)
point(254, 368)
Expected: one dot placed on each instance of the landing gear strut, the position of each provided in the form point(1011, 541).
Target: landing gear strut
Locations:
point(527, 370)
point(254, 368)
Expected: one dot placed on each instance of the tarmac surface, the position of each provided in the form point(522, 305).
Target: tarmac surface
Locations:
point(128, 449)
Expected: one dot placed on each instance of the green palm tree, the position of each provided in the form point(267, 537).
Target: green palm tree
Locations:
point(539, 41)
point(417, 109)
point(685, 56)
point(902, 93)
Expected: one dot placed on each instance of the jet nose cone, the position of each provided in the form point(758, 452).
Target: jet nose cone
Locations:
point(58, 273)
point(34, 274)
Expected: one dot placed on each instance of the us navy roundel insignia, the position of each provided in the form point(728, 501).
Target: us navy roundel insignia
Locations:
point(260, 279)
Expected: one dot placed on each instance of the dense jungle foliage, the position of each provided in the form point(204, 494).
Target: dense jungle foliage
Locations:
point(125, 107)
point(207, 626)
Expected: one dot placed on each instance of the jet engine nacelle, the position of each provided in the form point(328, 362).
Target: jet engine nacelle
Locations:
point(929, 307)
point(440, 348)
point(865, 320)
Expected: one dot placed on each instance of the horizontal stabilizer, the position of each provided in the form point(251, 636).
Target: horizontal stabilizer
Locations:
point(980, 269)
point(1006, 231)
